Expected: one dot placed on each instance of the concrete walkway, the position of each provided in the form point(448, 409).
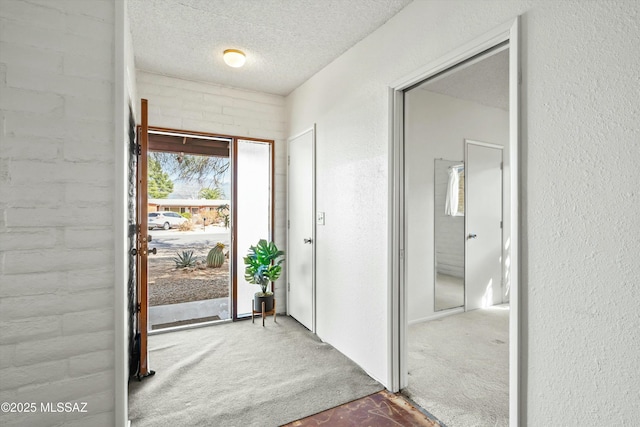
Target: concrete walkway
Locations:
point(169, 313)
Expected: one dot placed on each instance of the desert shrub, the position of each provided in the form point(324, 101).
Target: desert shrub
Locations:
point(186, 215)
point(185, 259)
point(223, 215)
point(186, 226)
point(206, 216)
point(197, 219)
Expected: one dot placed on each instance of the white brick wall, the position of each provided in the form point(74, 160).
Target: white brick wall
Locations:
point(56, 204)
point(206, 107)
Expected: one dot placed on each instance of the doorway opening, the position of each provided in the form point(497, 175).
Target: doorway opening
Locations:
point(189, 224)
point(208, 198)
point(455, 202)
point(204, 225)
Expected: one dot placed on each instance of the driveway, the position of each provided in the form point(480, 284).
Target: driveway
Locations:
point(175, 239)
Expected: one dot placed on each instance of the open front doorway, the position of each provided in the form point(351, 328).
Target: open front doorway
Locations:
point(189, 225)
point(201, 201)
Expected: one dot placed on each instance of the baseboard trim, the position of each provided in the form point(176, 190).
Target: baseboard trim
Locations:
point(438, 315)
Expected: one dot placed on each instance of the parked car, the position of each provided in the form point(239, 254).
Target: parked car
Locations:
point(165, 220)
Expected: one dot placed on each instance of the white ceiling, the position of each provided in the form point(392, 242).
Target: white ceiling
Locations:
point(485, 82)
point(286, 41)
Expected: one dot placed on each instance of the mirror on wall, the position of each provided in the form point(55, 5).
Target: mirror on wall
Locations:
point(449, 234)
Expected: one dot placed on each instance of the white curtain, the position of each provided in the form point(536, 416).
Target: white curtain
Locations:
point(451, 203)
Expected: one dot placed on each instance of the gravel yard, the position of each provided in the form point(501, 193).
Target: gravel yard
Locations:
point(171, 285)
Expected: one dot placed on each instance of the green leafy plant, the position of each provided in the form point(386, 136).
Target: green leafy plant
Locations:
point(263, 264)
point(186, 215)
point(185, 259)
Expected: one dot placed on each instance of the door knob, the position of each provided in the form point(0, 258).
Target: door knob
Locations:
point(472, 236)
point(135, 252)
point(308, 240)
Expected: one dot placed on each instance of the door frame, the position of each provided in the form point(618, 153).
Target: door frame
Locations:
point(290, 140)
point(468, 142)
point(234, 267)
point(142, 242)
point(507, 33)
point(193, 150)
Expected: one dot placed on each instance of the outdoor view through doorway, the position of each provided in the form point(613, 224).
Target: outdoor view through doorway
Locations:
point(204, 196)
point(189, 214)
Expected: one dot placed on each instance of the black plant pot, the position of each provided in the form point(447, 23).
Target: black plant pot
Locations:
point(259, 299)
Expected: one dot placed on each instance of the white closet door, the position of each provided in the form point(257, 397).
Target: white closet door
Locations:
point(483, 253)
point(301, 236)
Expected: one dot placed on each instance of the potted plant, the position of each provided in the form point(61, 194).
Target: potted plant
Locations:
point(263, 266)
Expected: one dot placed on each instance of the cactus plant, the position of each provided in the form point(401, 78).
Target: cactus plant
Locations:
point(215, 258)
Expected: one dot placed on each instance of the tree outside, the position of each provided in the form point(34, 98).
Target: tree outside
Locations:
point(211, 193)
point(159, 183)
point(193, 174)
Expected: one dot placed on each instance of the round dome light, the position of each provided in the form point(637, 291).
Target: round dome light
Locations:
point(234, 58)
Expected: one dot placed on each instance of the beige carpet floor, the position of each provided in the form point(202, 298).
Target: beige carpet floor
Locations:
point(243, 374)
point(459, 367)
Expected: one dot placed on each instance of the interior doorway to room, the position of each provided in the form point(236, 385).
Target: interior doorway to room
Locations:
point(457, 218)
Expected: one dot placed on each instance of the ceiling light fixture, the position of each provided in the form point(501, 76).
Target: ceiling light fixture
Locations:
point(234, 58)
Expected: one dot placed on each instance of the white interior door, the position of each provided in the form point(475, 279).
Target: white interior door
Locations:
point(483, 214)
point(301, 229)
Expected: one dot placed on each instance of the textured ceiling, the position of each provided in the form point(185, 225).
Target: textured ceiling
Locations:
point(485, 82)
point(286, 41)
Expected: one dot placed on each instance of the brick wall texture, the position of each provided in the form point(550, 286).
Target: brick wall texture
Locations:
point(56, 209)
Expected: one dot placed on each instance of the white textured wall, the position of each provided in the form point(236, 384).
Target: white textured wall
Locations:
point(131, 86)
point(580, 146)
point(204, 107)
point(435, 127)
point(56, 208)
point(351, 188)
